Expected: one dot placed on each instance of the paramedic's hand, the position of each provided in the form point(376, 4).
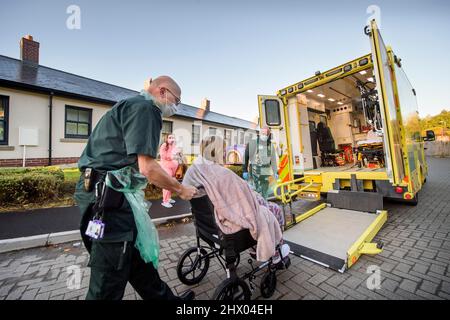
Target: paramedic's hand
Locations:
point(245, 175)
point(187, 192)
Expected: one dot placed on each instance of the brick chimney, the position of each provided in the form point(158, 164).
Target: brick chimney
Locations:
point(205, 105)
point(29, 50)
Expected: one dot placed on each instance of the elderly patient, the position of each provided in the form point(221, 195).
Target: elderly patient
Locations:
point(236, 206)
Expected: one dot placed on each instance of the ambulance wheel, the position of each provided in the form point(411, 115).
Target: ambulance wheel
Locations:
point(192, 267)
point(232, 290)
point(268, 284)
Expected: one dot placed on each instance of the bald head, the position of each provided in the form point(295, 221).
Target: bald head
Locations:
point(265, 130)
point(163, 88)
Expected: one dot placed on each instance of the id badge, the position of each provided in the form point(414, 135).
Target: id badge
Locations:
point(95, 229)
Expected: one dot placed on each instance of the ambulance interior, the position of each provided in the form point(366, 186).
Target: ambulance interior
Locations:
point(345, 126)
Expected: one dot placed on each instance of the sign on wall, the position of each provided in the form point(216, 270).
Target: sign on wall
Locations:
point(28, 136)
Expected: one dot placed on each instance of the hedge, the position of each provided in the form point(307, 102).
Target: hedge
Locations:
point(35, 185)
point(21, 186)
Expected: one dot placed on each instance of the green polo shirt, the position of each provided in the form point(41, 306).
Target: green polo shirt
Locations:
point(131, 127)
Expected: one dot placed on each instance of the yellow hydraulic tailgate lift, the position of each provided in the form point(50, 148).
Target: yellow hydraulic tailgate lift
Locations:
point(337, 233)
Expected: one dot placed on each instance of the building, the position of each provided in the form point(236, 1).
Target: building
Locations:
point(47, 115)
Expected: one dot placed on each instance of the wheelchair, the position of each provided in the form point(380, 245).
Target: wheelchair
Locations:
point(194, 262)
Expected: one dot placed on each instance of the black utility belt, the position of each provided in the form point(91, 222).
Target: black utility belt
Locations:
point(105, 197)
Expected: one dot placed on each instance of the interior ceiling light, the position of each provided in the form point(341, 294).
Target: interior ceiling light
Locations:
point(363, 72)
point(370, 79)
point(321, 95)
point(340, 103)
point(310, 91)
point(331, 99)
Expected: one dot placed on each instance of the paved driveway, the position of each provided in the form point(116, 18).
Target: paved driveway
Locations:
point(413, 265)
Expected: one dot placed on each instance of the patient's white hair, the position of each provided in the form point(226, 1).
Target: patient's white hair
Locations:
point(213, 149)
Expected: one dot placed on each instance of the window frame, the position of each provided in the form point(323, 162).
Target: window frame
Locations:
point(215, 131)
point(266, 114)
point(77, 136)
point(241, 133)
point(5, 120)
point(164, 133)
point(230, 131)
point(199, 134)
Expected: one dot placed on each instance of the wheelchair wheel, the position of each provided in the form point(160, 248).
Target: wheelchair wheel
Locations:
point(233, 290)
point(192, 267)
point(268, 284)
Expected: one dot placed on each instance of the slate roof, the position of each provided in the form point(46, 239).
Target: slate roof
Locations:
point(16, 73)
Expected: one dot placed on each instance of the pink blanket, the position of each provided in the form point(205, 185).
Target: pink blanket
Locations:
point(235, 205)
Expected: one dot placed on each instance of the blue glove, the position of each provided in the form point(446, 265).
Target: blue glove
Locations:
point(276, 176)
point(245, 175)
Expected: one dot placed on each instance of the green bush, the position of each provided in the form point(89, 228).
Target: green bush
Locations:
point(152, 192)
point(71, 178)
point(236, 169)
point(21, 186)
point(58, 173)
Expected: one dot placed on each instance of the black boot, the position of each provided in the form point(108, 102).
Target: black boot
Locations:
point(187, 295)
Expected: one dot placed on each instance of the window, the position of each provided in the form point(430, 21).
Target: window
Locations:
point(78, 122)
point(195, 137)
point(227, 137)
point(248, 137)
point(212, 131)
point(241, 137)
point(4, 114)
point(167, 127)
point(273, 117)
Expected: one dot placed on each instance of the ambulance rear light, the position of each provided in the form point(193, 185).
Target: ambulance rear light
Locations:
point(399, 190)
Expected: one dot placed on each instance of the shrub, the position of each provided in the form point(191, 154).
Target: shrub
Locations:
point(21, 186)
point(236, 169)
point(152, 192)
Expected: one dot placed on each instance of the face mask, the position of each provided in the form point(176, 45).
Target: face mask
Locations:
point(167, 109)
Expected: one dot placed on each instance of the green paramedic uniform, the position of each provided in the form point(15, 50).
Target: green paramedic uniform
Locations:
point(130, 128)
point(260, 160)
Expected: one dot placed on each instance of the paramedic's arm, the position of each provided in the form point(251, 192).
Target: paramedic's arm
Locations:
point(151, 169)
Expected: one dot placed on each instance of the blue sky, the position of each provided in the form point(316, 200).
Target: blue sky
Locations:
point(231, 51)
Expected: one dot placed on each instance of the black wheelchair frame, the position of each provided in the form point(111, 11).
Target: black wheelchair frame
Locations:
point(226, 248)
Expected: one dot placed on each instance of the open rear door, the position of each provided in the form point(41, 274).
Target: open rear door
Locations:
point(271, 114)
point(383, 70)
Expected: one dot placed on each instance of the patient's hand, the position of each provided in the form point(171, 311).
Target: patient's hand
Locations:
point(187, 192)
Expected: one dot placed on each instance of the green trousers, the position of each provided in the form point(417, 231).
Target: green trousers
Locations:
point(114, 261)
point(261, 183)
point(114, 264)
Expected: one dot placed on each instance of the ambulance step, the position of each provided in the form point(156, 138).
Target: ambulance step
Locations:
point(312, 192)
